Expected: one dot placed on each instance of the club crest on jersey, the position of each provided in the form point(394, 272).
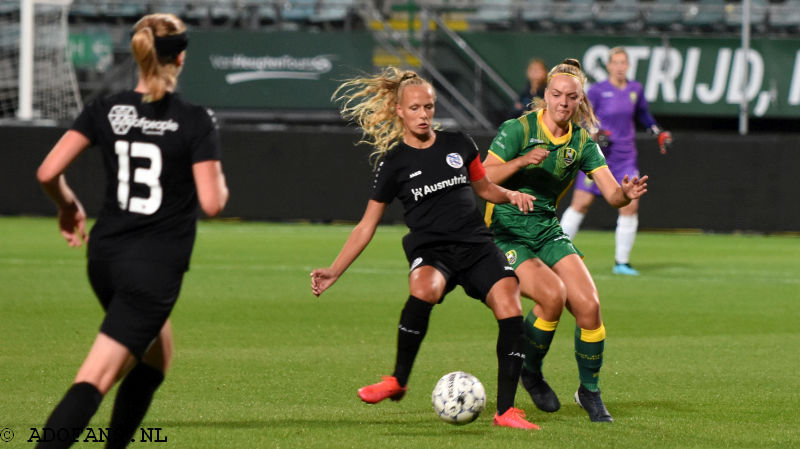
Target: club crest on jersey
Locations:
point(123, 117)
point(568, 154)
point(454, 160)
point(511, 256)
point(633, 96)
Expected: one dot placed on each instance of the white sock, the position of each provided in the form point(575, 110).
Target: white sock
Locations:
point(627, 225)
point(571, 221)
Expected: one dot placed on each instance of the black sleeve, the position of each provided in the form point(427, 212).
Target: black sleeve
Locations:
point(470, 149)
point(205, 144)
point(85, 123)
point(384, 187)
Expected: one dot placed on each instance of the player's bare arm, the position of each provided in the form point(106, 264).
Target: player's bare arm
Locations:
point(493, 193)
point(359, 238)
point(499, 171)
point(615, 194)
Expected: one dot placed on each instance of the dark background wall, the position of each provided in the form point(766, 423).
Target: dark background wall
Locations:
point(716, 182)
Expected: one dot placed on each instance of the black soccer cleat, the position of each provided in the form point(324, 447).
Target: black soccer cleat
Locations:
point(593, 404)
point(542, 395)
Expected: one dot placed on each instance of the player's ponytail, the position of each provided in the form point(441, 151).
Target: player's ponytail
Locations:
point(371, 103)
point(157, 41)
point(584, 114)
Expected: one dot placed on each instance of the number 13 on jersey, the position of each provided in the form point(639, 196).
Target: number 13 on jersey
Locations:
point(148, 176)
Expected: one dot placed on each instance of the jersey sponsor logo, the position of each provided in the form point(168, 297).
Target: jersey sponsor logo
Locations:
point(415, 174)
point(123, 117)
point(454, 160)
point(534, 141)
point(417, 262)
point(421, 192)
point(511, 256)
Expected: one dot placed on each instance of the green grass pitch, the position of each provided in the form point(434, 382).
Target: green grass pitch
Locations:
point(703, 348)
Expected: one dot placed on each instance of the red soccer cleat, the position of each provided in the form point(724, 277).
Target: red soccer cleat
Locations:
point(387, 388)
point(514, 417)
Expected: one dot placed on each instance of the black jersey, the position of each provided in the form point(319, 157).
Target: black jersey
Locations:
point(150, 208)
point(434, 186)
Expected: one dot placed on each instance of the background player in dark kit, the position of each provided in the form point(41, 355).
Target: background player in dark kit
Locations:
point(161, 157)
point(434, 174)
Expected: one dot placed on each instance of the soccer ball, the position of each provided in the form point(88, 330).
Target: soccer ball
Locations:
point(458, 398)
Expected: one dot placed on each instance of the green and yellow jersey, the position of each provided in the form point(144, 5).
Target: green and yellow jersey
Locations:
point(549, 180)
point(538, 233)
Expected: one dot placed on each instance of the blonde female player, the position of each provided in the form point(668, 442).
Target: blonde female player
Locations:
point(162, 157)
point(541, 153)
point(435, 175)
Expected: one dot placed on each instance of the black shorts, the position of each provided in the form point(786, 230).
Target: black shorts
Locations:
point(137, 296)
point(474, 266)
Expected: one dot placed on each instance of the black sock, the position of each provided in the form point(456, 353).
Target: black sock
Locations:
point(133, 399)
point(70, 417)
point(510, 355)
point(411, 330)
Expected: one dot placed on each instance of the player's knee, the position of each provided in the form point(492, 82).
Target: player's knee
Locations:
point(554, 296)
point(587, 312)
point(426, 292)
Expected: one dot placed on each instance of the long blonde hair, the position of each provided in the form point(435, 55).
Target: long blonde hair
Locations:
point(371, 103)
point(584, 114)
point(158, 71)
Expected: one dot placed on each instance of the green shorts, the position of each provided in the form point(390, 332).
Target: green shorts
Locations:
point(529, 237)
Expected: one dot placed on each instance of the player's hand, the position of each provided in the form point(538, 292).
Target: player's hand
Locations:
point(523, 201)
point(664, 141)
point(533, 157)
point(321, 279)
point(72, 223)
point(634, 188)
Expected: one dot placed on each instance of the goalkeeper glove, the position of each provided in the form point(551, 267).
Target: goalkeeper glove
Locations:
point(664, 138)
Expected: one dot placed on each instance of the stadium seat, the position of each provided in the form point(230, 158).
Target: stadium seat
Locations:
point(705, 14)
point(264, 12)
point(494, 13)
point(298, 10)
point(170, 6)
point(224, 11)
point(784, 17)
point(575, 13)
point(664, 14)
point(9, 7)
point(84, 10)
point(618, 13)
point(130, 11)
point(538, 13)
point(758, 14)
point(197, 13)
point(333, 11)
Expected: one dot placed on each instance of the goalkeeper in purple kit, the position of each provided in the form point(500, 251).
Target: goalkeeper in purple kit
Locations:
point(618, 103)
